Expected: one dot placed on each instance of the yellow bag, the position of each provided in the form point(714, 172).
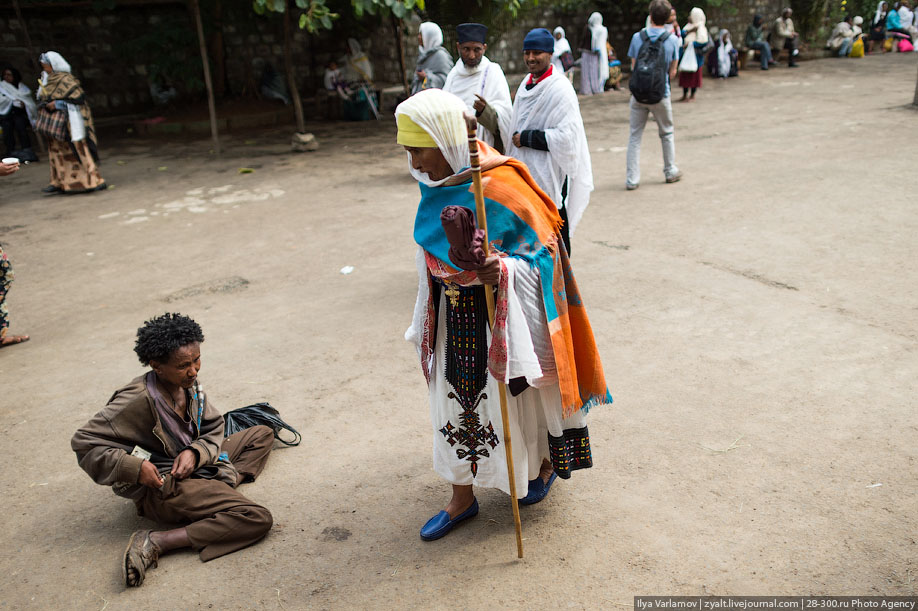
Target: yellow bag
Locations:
point(888, 45)
point(857, 49)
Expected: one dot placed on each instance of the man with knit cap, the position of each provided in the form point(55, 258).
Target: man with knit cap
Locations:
point(481, 84)
point(548, 135)
point(542, 345)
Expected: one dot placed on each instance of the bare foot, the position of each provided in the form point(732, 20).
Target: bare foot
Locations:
point(9, 340)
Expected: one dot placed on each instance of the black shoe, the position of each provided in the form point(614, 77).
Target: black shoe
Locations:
point(792, 66)
point(51, 189)
point(101, 187)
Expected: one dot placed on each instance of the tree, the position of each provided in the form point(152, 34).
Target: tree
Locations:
point(315, 15)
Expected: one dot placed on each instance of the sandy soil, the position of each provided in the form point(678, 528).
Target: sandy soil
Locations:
point(757, 322)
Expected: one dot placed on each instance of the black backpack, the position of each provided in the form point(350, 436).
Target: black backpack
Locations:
point(648, 79)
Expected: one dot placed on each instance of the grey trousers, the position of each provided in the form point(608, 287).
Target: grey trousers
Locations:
point(663, 115)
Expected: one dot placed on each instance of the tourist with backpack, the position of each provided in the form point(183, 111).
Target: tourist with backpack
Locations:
point(654, 54)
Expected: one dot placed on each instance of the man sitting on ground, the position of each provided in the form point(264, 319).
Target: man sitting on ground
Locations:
point(159, 442)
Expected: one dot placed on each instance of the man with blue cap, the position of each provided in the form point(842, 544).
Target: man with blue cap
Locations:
point(481, 84)
point(548, 134)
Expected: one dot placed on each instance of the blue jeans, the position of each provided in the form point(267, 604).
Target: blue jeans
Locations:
point(845, 49)
point(764, 50)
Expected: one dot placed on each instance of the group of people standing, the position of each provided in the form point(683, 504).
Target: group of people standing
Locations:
point(542, 127)
point(894, 27)
point(58, 111)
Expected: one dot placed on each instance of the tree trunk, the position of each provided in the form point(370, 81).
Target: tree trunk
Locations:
point(211, 107)
point(291, 78)
point(218, 52)
point(397, 25)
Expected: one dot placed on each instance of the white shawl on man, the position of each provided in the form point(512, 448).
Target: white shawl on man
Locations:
point(552, 106)
point(487, 80)
point(22, 97)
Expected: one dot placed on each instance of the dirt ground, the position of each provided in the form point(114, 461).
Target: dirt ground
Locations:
point(757, 322)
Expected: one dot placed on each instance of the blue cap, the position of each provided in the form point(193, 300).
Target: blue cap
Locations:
point(539, 39)
point(471, 32)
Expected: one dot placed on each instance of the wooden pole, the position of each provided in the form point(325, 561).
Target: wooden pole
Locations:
point(28, 39)
point(211, 106)
point(291, 76)
point(398, 25)
point(481, 217)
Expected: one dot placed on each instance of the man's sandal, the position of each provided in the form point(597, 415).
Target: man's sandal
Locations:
point(141, 554)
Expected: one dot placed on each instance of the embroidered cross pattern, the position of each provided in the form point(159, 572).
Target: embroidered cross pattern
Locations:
point(472, 436)
point(467, 373)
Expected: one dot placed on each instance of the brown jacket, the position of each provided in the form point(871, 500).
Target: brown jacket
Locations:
point(104, 444)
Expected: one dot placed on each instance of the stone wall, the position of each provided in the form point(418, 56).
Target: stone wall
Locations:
point(117, 83)
point(737, 17)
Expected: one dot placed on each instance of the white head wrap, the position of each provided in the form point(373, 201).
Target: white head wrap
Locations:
point(879, 14)
point(441, 115)
point(431, 36)
point(700, 33)
point(858, 20)
point(54, 59)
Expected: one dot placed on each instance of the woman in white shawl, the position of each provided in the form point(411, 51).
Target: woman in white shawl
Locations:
point(74, 160)
point(726, 55)
point(17, 112)
point(594, 62)
point(695, 39)
point(434, 62)
point(562, 46)
point(357, 66)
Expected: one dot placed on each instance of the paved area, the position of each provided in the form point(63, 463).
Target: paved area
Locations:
point(757, 322)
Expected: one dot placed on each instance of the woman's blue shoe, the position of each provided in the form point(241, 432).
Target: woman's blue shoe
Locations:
point(538, 490)
point(440, 524)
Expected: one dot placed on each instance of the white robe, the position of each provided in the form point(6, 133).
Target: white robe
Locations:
point(552, 106)
point(533, 414)
point(487, 80)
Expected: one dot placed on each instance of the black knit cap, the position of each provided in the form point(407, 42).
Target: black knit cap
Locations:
point(471, 32)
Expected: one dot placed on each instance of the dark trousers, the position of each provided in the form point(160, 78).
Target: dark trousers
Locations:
point(791, 45)
point(219, 519)
point(15, 125)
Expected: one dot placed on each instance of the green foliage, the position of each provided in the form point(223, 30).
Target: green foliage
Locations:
point(316, 14)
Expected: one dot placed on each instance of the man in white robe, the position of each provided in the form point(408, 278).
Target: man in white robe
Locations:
point(481, 84)
point(548, 134)
point(542, 346)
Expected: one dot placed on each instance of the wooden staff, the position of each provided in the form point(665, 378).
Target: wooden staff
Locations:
point(482, 219)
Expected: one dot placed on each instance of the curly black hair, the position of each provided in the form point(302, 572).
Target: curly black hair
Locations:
point(159, 337)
